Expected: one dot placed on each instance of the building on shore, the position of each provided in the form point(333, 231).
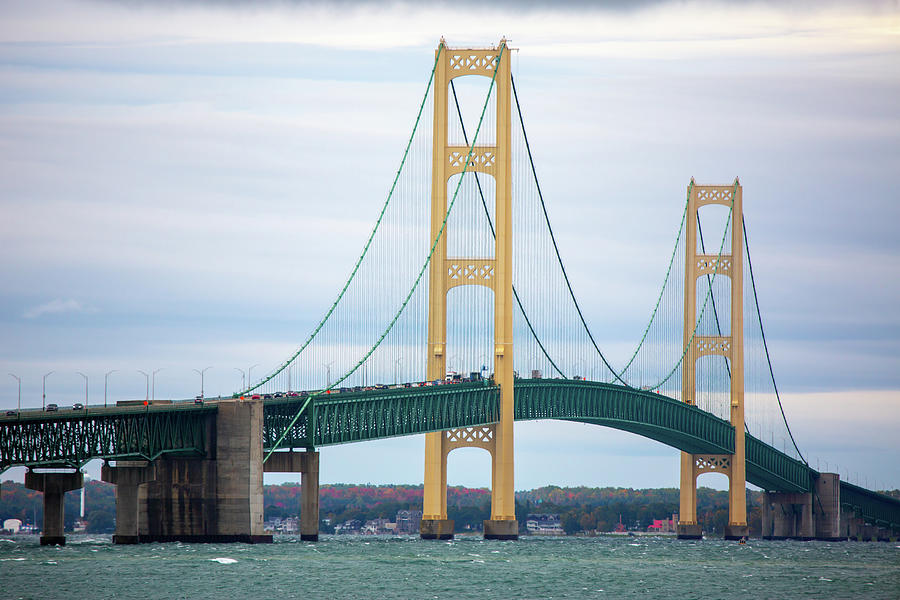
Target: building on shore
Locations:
point(544, 524)
point(408, 521)
point(664, 525)
point(12, 526)
point(286, 526)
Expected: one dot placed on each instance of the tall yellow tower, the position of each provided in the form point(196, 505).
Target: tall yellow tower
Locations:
point(493, 272)
point(730, 346)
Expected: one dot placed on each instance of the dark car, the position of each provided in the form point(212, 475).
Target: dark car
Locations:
point(11, 413)
point(78, 406)
point(51, 408)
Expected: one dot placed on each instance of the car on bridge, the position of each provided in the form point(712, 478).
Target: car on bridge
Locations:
point(78, 406)
point(51, 408)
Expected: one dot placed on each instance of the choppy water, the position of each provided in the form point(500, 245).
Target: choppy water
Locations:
point(368, 567)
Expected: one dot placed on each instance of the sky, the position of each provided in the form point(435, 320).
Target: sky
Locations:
point(160, 163)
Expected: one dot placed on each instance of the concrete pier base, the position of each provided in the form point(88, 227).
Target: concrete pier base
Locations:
point(805, 516)
point(127, 476)
point(307, 464)
point(437, 529)
point(689, 531)
point(54, 487)
point(736, 532)
point(218, 498)
point(827, 508)
point(495, 529)
point(309, 500)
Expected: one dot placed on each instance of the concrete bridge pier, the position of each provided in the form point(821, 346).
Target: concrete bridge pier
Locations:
point(128, 476)
point(307, 464)
point(788, 516)
point(850, 524)
point(805, 516)
point(827, 508)
point(54, 487)
point(217, 498)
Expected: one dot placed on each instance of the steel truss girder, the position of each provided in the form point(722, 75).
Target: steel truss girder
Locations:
point(72, 440)
point(359, 416)
point(872, 507)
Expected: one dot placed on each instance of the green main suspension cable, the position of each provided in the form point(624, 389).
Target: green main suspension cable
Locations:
point(665, 281)
point(708, 293)
point(415, 285)
point(365, 250)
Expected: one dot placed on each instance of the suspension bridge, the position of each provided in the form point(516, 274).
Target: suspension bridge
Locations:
point(460, 298)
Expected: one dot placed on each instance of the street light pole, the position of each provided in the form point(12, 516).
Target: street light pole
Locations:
point(44, 391)
point(396, 369)
point(85, 387)
point(250, 374)
point(153, 394)
point(328, 373)
point(201, 372)
point(243, 379)
point(19, 405)
point(106, 385)
point(147, 377)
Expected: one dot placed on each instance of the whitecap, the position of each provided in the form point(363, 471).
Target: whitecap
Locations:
point(825, 579)
point(14, 559)
point(223, 561)
point(14, 541)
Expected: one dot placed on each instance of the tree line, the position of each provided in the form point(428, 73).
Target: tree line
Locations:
point(580, 508)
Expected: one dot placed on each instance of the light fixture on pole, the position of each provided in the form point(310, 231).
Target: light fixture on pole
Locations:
point(106, 385)
point(201, 372)
point(243, 378)
point(147, 377)
point(153, 384)
point(85, 387)
point(250, 375)
point(44, 391)
point(328, 373)
point(19, 405)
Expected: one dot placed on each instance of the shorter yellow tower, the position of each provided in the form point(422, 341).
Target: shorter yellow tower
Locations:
point(730, 346)
point(493, 272)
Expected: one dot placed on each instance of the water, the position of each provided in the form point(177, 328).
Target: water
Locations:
point(406, 567)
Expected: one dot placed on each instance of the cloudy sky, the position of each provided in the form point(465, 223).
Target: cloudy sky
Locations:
point(160, 161)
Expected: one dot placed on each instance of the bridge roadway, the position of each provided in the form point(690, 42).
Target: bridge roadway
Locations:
point(70, 438)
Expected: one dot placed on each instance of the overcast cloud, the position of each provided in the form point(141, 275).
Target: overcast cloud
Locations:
point(160, 162)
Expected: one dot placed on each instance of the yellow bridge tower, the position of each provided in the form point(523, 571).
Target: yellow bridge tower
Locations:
point(493, 272)
point(730, 346)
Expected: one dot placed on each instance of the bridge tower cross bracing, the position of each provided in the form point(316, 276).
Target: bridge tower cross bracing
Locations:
point(494, 273)
point(730, 346)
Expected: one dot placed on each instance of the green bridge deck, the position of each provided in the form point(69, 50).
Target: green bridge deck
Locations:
point(71, 438)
